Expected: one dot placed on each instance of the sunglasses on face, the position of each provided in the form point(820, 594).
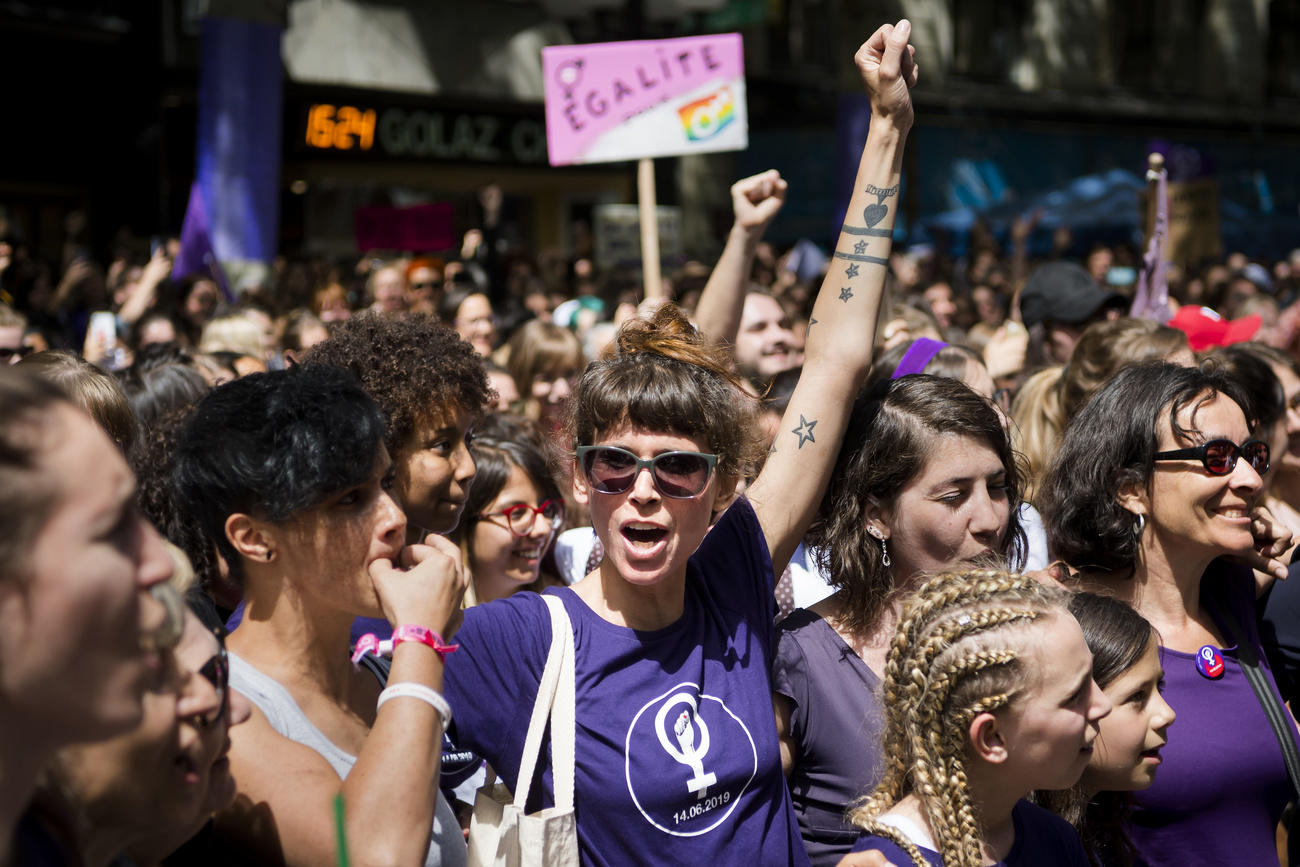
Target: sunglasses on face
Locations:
point(679, 475)
point(9, 353)
point(521, 518)
point(427, 284)
point(216, 671)
point(1219, 457)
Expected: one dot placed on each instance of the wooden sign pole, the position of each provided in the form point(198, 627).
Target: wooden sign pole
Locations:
point(645, 184)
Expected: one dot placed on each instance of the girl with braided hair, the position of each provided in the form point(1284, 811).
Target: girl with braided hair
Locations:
point(926, 482)
point(676, 754)
point(988, 695)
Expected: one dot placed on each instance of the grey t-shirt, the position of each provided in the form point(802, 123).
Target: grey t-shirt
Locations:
point(836, 724)
point(446, 849)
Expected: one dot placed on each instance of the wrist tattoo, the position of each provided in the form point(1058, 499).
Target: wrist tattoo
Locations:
point(881, 194)
point(805, 431)
point(860, 247)
point(846, 293)
point(873, 233)
point(852, 270)
point(870, 260)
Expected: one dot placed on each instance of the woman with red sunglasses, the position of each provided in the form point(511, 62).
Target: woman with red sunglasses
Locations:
point(677, 758)
point(1157, 478)
point(512, 514)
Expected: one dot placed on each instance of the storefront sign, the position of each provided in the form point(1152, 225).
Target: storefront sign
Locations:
point(626, 100)
point(355, 126)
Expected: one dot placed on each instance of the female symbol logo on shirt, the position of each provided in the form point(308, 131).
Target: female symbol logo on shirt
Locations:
point(1209, 662)
point(686, 751)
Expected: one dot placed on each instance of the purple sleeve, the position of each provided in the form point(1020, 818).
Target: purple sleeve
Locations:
point(891, 851)
point(738, 567)
point(491, 681)
point(790, 676)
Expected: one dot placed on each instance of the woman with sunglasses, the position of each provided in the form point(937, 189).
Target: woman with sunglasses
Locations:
point(513, 512)
point(287, 474)
point(676, 752)
point(80, 631)
point(146, 792)
point(1157, 478)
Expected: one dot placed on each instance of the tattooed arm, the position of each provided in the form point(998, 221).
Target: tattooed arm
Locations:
point(842, 330)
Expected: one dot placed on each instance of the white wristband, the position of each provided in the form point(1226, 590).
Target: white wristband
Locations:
point(429, 696)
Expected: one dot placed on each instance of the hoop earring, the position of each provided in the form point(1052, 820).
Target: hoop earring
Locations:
point(884, 555)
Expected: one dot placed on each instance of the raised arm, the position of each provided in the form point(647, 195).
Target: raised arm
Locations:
point(755, 201)
point(842, 329)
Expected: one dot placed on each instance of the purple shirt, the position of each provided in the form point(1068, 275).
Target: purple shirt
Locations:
point(836, 724)
point(677, 755)
point(1042, 838)
point(1222, 786)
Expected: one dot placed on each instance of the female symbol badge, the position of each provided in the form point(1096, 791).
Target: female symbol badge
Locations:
point(1209, 662)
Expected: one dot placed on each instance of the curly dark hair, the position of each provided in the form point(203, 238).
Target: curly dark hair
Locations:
point(890, 437)
point(1110, 445)
point(415, 369)
point(271, 445)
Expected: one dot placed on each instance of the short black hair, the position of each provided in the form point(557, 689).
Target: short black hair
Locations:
point(273, 444)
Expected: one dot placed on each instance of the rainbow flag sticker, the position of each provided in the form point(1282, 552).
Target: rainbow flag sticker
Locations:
point(705, 118)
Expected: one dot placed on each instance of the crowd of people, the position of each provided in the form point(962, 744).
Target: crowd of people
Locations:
point(906, 560)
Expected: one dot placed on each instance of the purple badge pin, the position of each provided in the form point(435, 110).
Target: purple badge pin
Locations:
point(1209, 662)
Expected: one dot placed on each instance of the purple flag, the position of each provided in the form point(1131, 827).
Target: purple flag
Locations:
point(196, 255)
point(1151, 300)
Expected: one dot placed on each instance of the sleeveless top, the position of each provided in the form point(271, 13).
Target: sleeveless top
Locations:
point(446, 849)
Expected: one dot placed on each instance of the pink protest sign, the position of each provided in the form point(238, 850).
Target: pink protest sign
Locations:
point(626, 100)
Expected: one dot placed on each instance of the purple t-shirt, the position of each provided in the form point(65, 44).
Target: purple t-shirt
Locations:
point(836, 723)
point(1042, 839)
point(1222, 786)
point(677, 755)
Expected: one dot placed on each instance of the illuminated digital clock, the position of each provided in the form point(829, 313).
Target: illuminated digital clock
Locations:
point(340, 127)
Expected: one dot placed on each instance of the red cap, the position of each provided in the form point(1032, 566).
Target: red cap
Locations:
point(1205, 328)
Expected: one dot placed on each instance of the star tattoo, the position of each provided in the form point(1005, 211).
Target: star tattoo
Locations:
point(805, 431)
point(860, 247)
point(851, 271)
point(812, 322)
point(846, 293)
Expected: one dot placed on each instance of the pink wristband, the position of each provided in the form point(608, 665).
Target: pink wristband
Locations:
point(428, 637)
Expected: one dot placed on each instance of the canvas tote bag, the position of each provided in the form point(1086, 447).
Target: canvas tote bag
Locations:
point(501, 834)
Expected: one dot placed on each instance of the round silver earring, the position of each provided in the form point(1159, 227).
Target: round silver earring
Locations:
point(1139, 526)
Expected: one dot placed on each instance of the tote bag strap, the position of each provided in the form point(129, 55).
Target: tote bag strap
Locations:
point(555, 702)
point(1279, 719)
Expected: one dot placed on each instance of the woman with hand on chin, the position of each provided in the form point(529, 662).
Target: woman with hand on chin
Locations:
point(1158, 478)
point(287, 473)
point(677, 756)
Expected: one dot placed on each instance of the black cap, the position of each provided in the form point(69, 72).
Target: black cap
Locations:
point(1064, 292)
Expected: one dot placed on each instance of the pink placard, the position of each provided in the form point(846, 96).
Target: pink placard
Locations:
point(670, 96)
point(420, 228)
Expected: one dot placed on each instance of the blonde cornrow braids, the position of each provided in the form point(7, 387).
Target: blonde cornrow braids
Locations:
point(954, 655)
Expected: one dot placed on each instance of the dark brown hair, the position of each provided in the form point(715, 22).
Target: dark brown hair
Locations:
point(1111, 444)
point(414, 368)
point(662, 376)
point(890, 437)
